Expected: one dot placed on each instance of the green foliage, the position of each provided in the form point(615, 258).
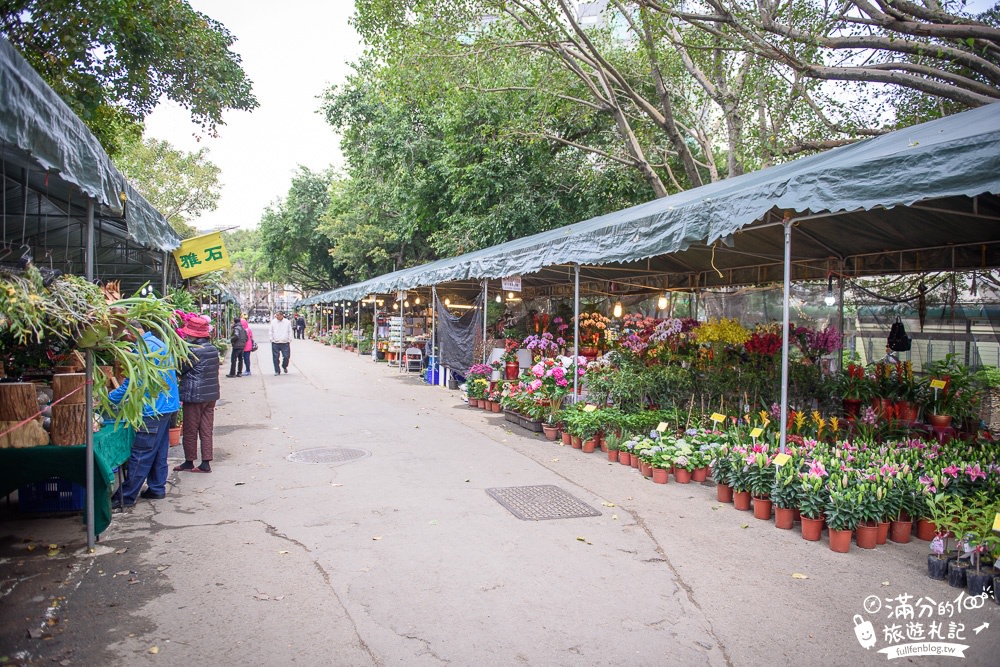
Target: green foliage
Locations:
point(112, 62)
point(179, 185)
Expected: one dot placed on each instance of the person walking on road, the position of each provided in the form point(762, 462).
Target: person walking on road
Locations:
point(238, 339)
point(281, 342)
point(300, 326)
point(148, 461)
point(199, 390)
point(248, 348)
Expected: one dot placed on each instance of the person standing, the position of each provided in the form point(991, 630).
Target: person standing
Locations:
point(248, 348)
point(148, 461)
point(238, 339)
point(281, 342)
point(199, 390)
point(300, 326)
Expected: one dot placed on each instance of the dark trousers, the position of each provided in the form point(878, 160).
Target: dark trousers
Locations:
point(277, 350)
point(236, 362)
point(148, 461)
point(246, 361)
point(199, 421)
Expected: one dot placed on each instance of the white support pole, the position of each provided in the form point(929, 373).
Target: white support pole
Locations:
point(434, 367)
point(576, 327)
point(486, 289)
point(784, 334)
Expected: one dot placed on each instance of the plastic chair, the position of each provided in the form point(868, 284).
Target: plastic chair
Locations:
point(414, 359)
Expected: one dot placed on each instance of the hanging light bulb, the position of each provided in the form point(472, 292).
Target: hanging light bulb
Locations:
point(499, 299)
point(406, 304)
point(417, 301)
point(447, 301)
point(661, 303)
point(618, 309)
point(395, 305)
point(830, 299)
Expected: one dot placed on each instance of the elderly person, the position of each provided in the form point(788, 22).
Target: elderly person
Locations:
point(281, 342)
point(199, 390)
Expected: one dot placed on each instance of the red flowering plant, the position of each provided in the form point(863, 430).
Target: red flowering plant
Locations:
point(510, 348)
point(854, 383)
point(592, 328)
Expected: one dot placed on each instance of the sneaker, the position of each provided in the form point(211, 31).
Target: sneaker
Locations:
point(247, 373)
point(152, 495)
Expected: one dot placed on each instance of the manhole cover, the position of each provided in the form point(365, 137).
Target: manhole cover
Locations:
point(327, 455)
point(535, 503)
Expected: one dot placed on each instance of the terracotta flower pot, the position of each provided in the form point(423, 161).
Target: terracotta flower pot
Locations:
point(882, 534)
point(613, 455)
point(550, 431)
point(926, 530)
point(812, 529)
point(577, 442)
point(588, 446)
point(625, 458)
point(699, 474)
point(784, 518)
point(741, 500)
point(762, 508)
point(645, 469)
point(634, 462)
point(682, 476)
point(900, 531)
point(724, 493)
point(175, 436)
point(661, 475)
point(867, 536)
point(499, 408)
point(567, 439)
point(840, 540)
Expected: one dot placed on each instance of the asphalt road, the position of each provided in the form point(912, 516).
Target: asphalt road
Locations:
point(391, 551)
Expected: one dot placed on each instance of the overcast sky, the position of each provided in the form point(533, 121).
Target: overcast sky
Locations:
point(292, 51)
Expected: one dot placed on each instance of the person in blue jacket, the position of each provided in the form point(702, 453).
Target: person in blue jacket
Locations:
point(148, 461)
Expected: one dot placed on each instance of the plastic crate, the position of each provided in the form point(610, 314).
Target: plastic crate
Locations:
point(53, 495)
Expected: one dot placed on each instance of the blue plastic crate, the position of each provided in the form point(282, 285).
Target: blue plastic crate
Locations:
point(53, 495)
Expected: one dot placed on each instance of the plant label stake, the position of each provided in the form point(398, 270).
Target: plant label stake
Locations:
point(718, 418)
point(662, 427)
point(996, 524)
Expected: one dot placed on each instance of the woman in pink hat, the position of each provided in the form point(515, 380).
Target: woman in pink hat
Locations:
point(199, 390)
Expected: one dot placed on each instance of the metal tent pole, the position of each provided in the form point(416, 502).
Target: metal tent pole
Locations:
point(784, 334)
point(576, 328)
point(486, 291)
point(399, 357)
point(89, 389)
point(435, 365)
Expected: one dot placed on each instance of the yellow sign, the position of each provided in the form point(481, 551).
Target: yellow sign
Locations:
point(755, 433)
point(938, 384)
point(996, 523)
point(781, 459)
point(589, 408)
point(718, 417)
point(661, 427)
point(201, 255)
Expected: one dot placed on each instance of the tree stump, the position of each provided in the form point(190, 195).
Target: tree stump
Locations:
point(18, 401)
point(65, 384)
point(69, 424)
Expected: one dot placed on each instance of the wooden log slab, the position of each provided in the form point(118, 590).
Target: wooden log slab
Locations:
point(18, 401)
point(64, 384)
point(30, 434)
point(69, 424)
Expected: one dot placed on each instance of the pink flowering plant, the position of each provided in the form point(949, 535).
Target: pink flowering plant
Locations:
point(543, 345)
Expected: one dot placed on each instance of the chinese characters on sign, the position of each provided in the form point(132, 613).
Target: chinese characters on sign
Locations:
point(921, 626)
point(202, 254)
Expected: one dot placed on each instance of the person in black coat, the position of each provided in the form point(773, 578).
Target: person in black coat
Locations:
point(239, 341)
point(199, 390)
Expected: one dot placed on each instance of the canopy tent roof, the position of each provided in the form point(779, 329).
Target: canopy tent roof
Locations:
point(51, 166)
point(918, 199)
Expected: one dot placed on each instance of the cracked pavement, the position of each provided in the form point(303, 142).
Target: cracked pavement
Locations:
point(401, 557)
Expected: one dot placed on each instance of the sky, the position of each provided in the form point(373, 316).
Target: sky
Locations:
point(292, 51)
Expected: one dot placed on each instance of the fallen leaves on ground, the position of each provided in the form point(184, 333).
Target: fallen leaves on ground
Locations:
point(799, 575)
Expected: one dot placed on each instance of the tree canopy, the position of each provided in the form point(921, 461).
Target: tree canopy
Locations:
point(112, 61)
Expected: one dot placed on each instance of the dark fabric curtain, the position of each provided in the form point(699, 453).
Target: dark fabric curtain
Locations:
point(459, 337)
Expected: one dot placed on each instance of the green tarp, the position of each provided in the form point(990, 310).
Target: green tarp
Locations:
point(927, 189)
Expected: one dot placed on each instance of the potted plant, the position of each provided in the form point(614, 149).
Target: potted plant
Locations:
point(943, 509)
point(785, 494)
point(813, 501)
point(761, 478)
point(508, 358)
point(957, 400)
point(854, 388)
point(842, 513)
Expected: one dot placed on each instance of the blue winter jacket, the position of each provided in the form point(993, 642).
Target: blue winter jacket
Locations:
point(167, 402)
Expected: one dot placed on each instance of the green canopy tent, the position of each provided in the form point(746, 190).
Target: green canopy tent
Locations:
point(67, 207)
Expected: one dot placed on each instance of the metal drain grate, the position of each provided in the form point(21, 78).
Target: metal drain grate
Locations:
point(328, 455)
point(537, 503)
